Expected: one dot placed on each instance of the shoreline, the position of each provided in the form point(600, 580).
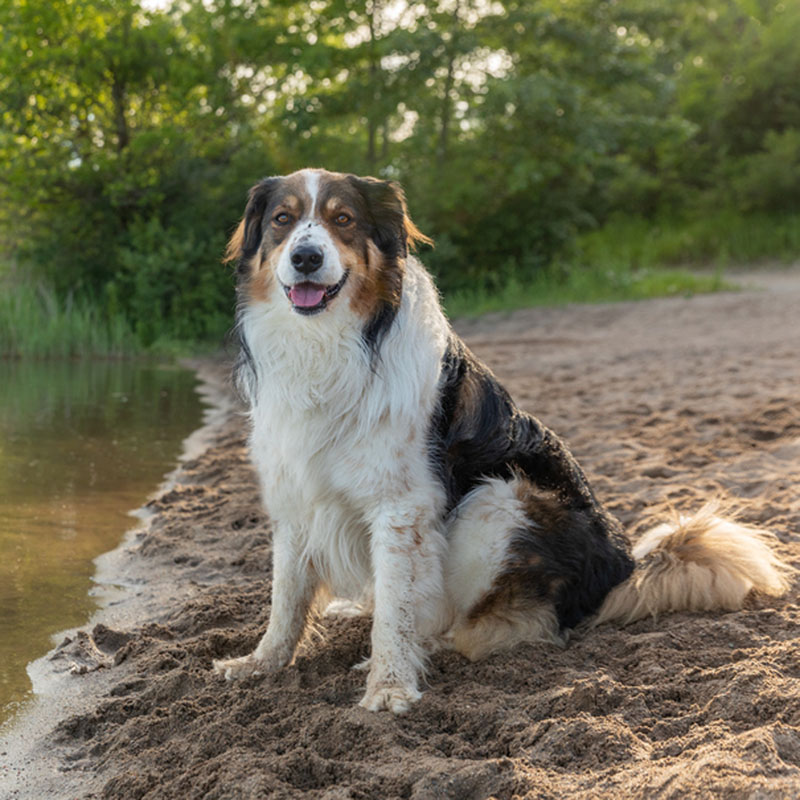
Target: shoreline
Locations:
point(128, 591)
point(664, 403)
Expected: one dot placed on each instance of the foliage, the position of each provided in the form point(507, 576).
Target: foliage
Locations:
point(35, 323)
point(121, 181)
point(560, 284)
point(129, 135)
point(722, 237)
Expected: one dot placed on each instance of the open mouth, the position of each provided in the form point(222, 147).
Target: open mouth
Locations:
point(310, 298)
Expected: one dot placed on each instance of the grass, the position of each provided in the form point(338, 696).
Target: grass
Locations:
point(720, 238)
point(34, 324)
point(569, 284)
point(633, 258)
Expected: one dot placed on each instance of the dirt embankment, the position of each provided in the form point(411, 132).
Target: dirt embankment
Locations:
point(665, 403)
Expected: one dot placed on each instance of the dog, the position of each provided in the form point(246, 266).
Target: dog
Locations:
point(401, 478)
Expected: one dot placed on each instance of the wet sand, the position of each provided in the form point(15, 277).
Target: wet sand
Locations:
point(665, 403)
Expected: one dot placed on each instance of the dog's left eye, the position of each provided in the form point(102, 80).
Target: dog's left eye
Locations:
point(282, 218)
point(342, 219)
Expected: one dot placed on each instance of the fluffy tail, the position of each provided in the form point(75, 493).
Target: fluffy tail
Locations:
point(698, 563)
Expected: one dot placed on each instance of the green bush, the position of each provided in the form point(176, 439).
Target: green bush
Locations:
point(770, 180)
point(35, 323)
point(711, 237)
point(170, 285)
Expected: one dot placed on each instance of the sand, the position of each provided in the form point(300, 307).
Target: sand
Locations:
point(665, 403)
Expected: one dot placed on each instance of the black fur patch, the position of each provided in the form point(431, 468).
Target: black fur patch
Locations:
point(377, 327)
point(257, 202)
point(385, 212)
point(578, 552)
point(575, 555)
point(244, 372)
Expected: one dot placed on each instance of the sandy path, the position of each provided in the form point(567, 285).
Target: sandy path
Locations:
point(665, 403)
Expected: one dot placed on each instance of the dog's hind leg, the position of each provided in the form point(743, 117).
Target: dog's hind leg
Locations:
point(487, 613)
point(524, 565)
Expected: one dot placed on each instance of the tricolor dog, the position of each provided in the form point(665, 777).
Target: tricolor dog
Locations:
point(399, 474)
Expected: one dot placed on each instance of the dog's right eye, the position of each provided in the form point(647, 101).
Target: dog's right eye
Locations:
point(281, 219)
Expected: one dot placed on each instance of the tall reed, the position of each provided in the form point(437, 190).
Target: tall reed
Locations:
point(34, 323)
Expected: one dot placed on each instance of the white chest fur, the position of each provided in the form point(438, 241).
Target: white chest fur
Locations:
point(335, 437)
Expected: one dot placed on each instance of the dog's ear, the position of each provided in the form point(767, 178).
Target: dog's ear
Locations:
point(247, 237)
point(392, 229)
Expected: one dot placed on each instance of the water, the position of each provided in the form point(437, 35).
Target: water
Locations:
point(81, 444)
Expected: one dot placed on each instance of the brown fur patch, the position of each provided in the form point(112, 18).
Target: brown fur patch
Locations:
point(414, 236)
point(527, 579)
point(259, 278)
point(295, 197)
point(292, 197)
point(333, 206)
point(539, 505)
point(233, 250)
point(499, 597)
point(375, 282)
point(294, 204)
point(261, 282)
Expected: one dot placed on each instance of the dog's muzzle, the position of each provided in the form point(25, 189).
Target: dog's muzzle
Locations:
point(308, 298)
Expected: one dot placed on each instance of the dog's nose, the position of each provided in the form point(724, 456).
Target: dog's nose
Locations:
point(306, 259)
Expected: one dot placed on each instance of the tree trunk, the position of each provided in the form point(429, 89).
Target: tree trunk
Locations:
point(385, 141)
point(373, 91)
point(118, 85)
point(446, 112)
point(120, 121)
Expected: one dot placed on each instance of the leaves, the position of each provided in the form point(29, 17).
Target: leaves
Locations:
point(128, 137)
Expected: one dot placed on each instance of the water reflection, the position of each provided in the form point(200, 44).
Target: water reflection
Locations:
point(80, 445)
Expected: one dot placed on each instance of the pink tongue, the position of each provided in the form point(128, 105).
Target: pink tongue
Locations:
point(306, 295)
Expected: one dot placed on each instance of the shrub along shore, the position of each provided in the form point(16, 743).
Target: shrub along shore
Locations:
point(628, 259)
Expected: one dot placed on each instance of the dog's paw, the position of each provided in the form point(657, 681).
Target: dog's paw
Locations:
point(397, 699)
point(362, 666)
point(346, 609)
point(236, 668)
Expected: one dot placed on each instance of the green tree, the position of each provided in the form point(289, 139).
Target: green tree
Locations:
point(124, 152)
point(128, 138)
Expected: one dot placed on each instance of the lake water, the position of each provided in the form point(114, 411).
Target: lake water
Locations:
point(81, 445)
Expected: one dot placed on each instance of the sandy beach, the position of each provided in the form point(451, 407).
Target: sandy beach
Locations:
point(666, 403)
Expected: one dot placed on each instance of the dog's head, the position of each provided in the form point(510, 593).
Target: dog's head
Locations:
point(315, 240)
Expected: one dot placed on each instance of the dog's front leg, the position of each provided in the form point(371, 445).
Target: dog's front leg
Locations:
point(407, 572)
point(294, 583)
